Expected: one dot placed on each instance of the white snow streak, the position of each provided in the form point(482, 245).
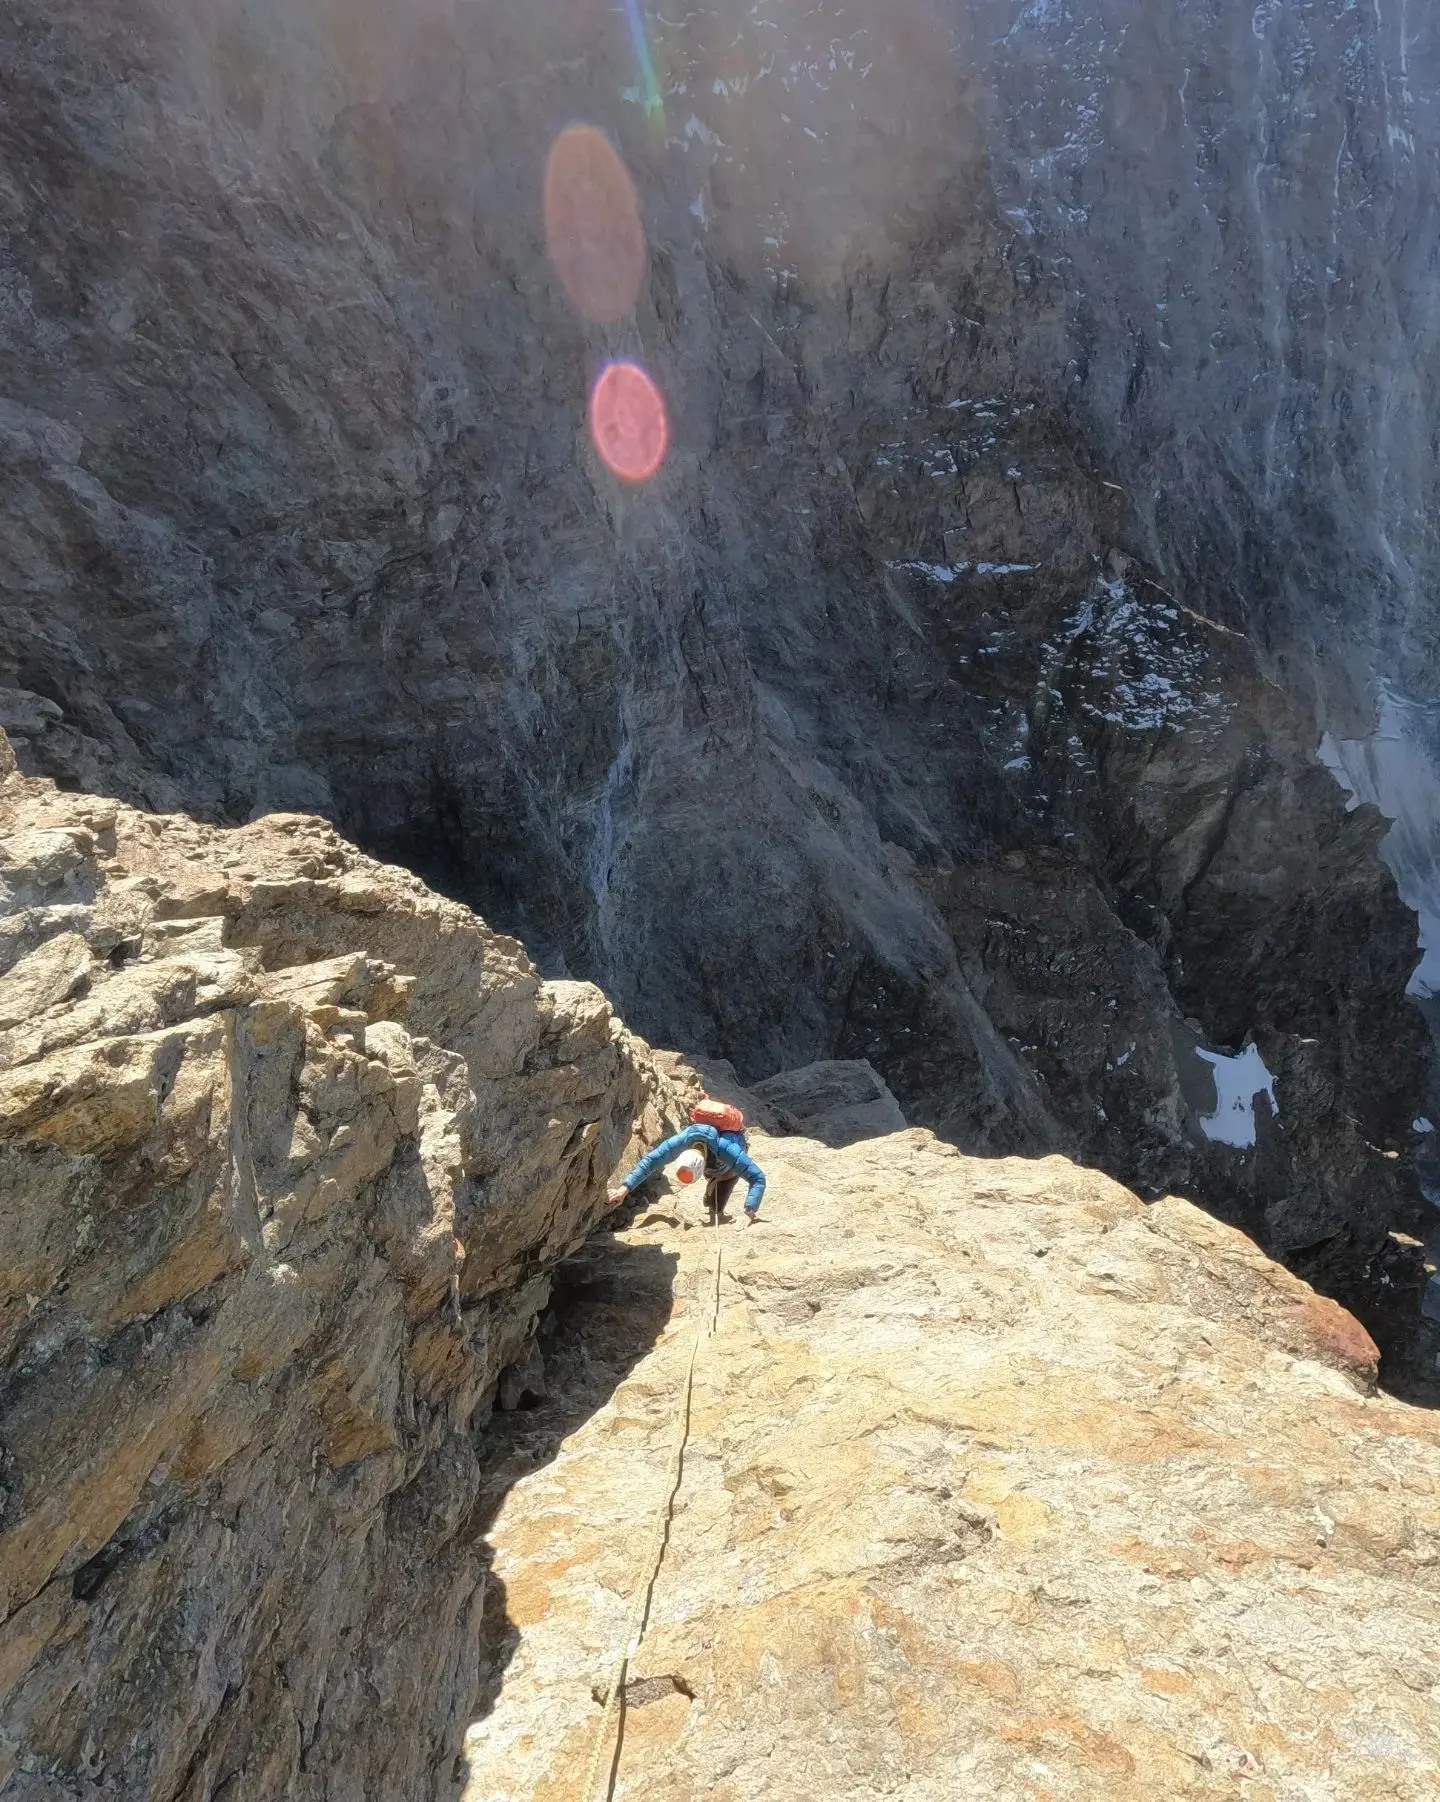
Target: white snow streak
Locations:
point(1397, 770)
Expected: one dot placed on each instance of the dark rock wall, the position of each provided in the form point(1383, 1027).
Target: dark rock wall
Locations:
point(1240, 202)
point(882, 722)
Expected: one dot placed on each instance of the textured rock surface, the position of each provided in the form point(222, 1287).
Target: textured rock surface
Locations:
point(1051, 465)
point(1236, 202)
point(1000, 1483)
point(288, 1146)
point(1001, 343)
point(835, 1103)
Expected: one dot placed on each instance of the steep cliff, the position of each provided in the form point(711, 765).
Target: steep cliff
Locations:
point(924, 707)
point(288, 1149)
point(1050, 474)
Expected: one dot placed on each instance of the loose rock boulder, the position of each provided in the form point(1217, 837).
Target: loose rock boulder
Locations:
point(836, 1103)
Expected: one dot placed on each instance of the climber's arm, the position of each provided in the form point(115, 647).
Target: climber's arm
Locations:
point(660, 1156)
point(747, 1168)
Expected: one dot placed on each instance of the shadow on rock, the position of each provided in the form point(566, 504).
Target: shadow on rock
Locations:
point(610, 1302)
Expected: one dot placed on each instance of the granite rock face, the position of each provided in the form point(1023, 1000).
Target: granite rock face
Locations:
point(950, 700)
point(288, 1149)
point(998, 1478)
point(999, 1483)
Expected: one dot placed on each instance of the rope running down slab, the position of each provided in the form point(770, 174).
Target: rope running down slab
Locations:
point(649, 1569)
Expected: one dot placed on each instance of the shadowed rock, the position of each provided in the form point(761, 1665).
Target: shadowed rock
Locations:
point(1028, 395)
point(836, 1103)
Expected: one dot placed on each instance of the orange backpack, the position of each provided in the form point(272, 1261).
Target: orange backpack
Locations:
point(719, 1114)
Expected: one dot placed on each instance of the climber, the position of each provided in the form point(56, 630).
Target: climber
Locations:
point(717, 1130)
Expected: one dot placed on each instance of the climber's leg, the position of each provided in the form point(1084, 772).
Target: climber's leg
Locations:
point(717, 1196)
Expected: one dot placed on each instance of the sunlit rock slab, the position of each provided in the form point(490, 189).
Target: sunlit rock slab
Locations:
point(1000, 1484)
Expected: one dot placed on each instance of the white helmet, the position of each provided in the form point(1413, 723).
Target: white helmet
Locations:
point(691, 1167)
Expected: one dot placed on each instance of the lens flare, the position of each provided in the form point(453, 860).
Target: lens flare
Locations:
point(592, 225)
point(654, 104)
point(628, 423)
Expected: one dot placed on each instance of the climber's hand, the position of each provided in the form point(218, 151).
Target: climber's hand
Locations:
point(618, 1195)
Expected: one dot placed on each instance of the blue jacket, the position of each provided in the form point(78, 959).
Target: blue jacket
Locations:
point(725, 1149)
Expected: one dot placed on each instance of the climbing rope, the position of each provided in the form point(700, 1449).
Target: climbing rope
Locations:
point(649, 1568)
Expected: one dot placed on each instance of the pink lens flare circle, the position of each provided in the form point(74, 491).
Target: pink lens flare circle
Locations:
point(628, 422)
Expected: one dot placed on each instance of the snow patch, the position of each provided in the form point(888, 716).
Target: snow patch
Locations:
point(1238, 1082)
point(937, 572)
point(951, 572)
point(1146, 671)
point(1397, 769)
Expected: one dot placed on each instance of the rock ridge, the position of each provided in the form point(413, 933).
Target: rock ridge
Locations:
point(288, 1148)
point(1000, 1484)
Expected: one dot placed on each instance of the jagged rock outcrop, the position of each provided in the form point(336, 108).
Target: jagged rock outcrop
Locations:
point(999, 1484)
point(288, 1148)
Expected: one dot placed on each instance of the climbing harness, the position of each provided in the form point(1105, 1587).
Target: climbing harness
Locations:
point(649, 1568)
